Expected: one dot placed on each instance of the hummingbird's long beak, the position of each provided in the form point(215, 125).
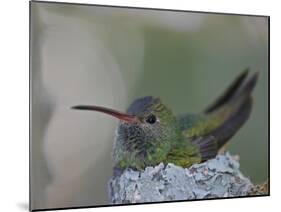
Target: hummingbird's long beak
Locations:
point(117, 114)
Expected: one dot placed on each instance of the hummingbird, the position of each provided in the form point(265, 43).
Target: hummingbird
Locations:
point(149, 132)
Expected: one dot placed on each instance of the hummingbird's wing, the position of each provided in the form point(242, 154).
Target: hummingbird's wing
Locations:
point(212, 129)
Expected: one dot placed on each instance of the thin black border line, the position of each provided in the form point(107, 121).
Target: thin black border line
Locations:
point(145, 8)
point(29, 108)
point(268, 102)
point(149, 203)
point(145, 203)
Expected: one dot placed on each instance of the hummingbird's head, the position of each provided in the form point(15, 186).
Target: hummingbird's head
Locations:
point(145, 132)
point(154, 124)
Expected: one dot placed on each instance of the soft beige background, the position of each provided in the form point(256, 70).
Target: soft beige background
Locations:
point(111, 56)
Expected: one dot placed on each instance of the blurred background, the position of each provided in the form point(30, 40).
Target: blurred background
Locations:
point(111, 56)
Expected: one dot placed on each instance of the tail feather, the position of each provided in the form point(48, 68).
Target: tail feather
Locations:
point(236, 98)
point(210, 144)
point(236, 110)
point(235, 107)
point(229, 92)
point(232, 124)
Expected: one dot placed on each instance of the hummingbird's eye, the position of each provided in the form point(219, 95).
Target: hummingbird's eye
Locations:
point(151, 119)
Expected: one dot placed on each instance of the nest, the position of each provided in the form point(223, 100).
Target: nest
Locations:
point(216, 178)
